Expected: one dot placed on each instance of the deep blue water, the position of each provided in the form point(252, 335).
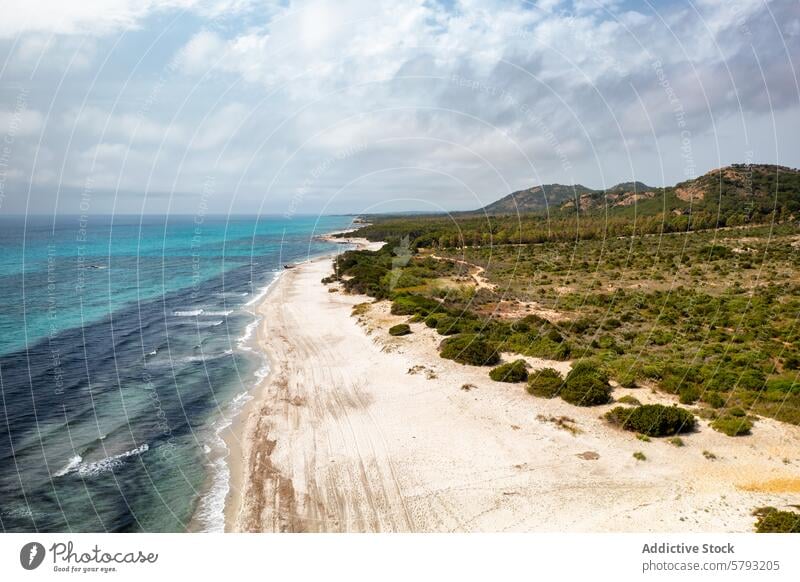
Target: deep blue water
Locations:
point(121, 356)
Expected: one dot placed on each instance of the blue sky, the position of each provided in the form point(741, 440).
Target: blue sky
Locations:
point(357, 106)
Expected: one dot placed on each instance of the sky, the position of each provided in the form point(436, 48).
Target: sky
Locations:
point(244, 106)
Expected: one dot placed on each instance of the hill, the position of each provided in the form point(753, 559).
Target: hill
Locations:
point(536, 199)
point(741, 192)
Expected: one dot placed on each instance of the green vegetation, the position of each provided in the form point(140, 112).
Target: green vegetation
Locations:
point(652, 419)
point(676, 441)
point(628, 399)
point(771, 520)
point(586, 385)
point(400, 329)
point(469, 349)
point(654, 293)
point(545, 383)
point(516, 371)
point(732, 425)
point(639, 456)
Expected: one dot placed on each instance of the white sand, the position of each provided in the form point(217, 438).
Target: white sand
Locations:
point(340, 437)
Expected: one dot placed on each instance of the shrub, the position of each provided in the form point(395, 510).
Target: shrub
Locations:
point(771, 520)
point(628, 399)
point(653, 419)
point(713, 399)
point(516, 371)
point(639, 456)
point(689, 395)
point(732, 425)
point(446, 325)
point(432, 321)
point(545, 383)
point(413, 304)
point(400, 329)
point(469, 348)
point(677, 441)
point(586, 385)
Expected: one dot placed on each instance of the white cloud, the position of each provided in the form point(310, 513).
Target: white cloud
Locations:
point(20, 122)
point(547, 86)
point(97, 123)
point(201, 52)
point(100, 17)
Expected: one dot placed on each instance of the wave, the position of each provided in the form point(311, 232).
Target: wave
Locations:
point(264, 290)
point(188, 313)
point(95, 468)
point(199, 323)
point(211, 508)
point(71, 466)
point(262, 372)
point(206, 357)
point(241, 342)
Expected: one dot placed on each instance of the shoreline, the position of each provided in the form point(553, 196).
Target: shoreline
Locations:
point(235, 434)
point(355, 430)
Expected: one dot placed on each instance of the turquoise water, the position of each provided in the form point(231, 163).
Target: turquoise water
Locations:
point(122, 356)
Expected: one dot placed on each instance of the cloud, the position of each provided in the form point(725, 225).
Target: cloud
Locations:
point(201, 52)
point(133, 128)
point(103, 17)
point(20, 122)
point(431, 95)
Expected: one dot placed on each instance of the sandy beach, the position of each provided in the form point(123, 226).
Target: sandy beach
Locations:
point(357, 431)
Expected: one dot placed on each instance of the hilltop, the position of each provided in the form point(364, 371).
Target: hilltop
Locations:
point(741, 192)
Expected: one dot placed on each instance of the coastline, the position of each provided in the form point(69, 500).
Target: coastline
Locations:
point(354, 430)
point(235, 434)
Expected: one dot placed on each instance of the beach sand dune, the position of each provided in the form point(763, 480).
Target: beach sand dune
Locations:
point(356, 431)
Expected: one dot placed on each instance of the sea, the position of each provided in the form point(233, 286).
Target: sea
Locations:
point(123, 356)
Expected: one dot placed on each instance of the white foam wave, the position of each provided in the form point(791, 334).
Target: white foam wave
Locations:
point(76, 464)
point(264, 290)
point(69, 467)
point(262, 372)
point(188, 313)
point(241, 342)
point(211, 510)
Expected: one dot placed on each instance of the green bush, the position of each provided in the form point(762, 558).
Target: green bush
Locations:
point(713, 399)
point(516, 371)
point(770, 520)
point(689, 395)
point(653, 419)
point(732, 425)
point(586, 385)
point(545, 383)
point(400, 329)
point(446, 325)
point(469, 348)
point(432, 321)
point(628, 399)
point(413, 304)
